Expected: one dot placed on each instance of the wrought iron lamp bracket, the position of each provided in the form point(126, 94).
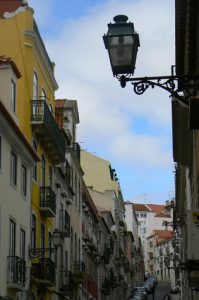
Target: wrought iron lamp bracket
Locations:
point(168, 83)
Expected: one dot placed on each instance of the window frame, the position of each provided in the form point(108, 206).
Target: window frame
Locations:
point(35, 86)
point(13, 96)
point(0, 152)
point(22, 240)
point(12, 237)
point(33, 232)
point(24, 174)
point(13, 167)
point(34, 170)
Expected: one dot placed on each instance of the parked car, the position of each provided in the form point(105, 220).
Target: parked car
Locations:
point(148, 286)
point(175, 290)
point(139, 292)
point(152, 278)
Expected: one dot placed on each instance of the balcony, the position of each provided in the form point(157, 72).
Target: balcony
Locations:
point(44, 271)
point(64, 223)
point(47, 131)
point(79, 271)
point(47, 202)
point(16, 272)
point(67, 285)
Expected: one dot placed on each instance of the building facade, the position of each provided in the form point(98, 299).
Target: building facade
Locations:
point(185, 150)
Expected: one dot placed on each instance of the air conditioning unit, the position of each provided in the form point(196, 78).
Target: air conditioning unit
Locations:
point(192, 234)
point(21, 296)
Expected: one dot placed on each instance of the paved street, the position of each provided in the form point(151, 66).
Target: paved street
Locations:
point(161, 289)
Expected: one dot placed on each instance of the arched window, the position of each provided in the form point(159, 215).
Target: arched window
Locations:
point(33, 232)
point(43, 171)
point(42, 238)
point(35, 86)
point(75, 247)
point(71, 244)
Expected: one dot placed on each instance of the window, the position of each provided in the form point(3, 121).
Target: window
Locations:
point(71, 243)
point(42, 237)
point(22, 244)
point(75, 247)
point(50, 177)
point(13, 96)
point(23, 180)
point(34, 173)
point(66, 261)
point(0, 152)
point(50, 244)
point(12, 238)
point(13, 168)
point(35, 86)
point(80, 202)
point(33, 232)
point(43, 171)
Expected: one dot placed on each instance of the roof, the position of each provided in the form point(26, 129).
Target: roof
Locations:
point(9, 6)
point(163, 233)
point(59, 103)
point(140, 207)
point(156, 208)
point(18, 132)
point(163, 215)
point(8, 60)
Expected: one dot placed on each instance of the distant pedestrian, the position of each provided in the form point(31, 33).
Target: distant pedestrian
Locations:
point(167, 297)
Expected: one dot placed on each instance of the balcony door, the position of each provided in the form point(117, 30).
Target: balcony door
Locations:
point(12, 238)
point(43, 171)
point(42, 238)
point(12, 247)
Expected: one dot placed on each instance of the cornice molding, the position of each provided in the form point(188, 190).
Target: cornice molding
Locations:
point(9, 15)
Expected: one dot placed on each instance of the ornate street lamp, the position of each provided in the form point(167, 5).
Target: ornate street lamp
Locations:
point(122, 43)
point(56, 238)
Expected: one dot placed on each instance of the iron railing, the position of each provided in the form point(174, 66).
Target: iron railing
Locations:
point(64, 222)
point(16, 270)
point(44, 270)
point(41, 115)
point(47, 198)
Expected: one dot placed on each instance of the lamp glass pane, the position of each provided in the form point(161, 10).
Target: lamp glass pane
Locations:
point(121, 53)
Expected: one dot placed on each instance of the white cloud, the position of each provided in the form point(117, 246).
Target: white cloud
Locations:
point(142, 150)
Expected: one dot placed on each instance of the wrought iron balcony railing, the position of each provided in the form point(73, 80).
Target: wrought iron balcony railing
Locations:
point(67, 285)
point(47, 131)
point(47, 201)
point(16, 272)
point(44, 271)
point(79, 270)
point(64, 223)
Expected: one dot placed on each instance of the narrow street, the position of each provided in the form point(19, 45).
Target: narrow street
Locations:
point(161, 289)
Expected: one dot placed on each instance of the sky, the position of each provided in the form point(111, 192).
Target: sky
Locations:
point(133, 132)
